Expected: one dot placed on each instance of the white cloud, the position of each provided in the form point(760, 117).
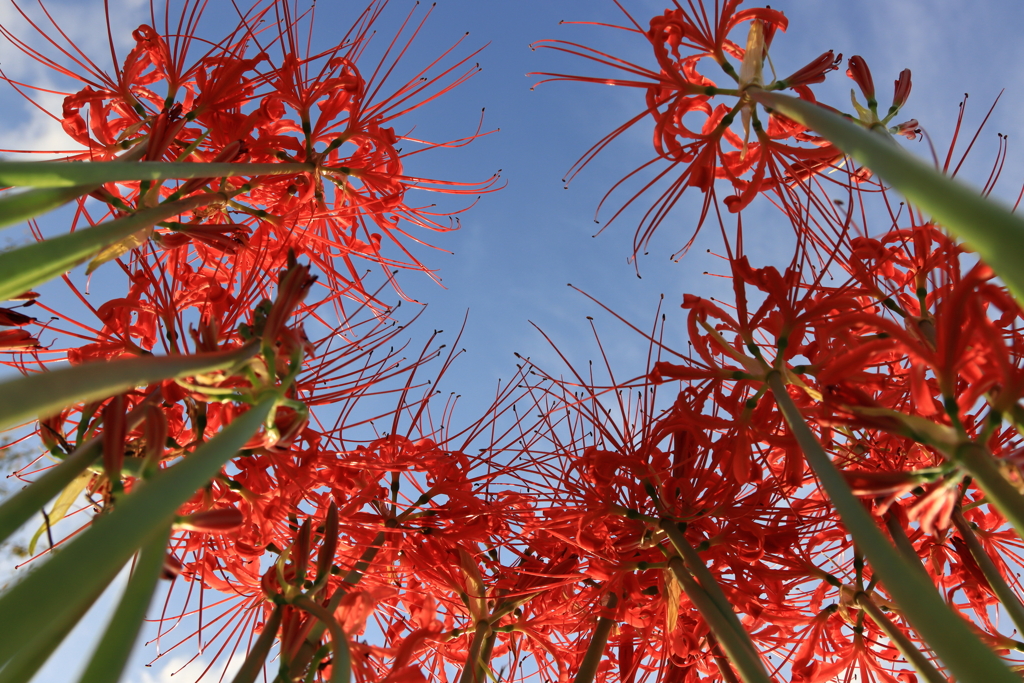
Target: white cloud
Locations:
point(25, 126)
point(178, 669)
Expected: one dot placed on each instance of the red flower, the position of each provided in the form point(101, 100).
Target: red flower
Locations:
point(681, 38)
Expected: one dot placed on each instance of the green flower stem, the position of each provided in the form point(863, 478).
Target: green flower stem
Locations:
point(1011, 603)
point(487, 651)
point(982, 466)
point(598, 643)
point(53, 594)
point(737, 646)
point(475, 669)
point(969, 660)
point(353, 577)
point(728, 675)
point(46, 393)
point(111, 655)
point(20, 507)
point(68, 174)
point(257, 656)
point(987, 226)
point(16, 207)
point(341, 663)
point(904, 546)
point(23, 268)
point(699, 570)
point(362, 564)
point(910, 652)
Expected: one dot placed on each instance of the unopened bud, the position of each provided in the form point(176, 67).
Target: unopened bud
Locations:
point(219, 521)
point(171, 568)
point(11, 318)
point(17, 339)
point(901, 90)
point(114, 434)
point(861, 74)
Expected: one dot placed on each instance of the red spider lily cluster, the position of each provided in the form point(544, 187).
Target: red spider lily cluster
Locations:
point(585, 541)
point(698, 138)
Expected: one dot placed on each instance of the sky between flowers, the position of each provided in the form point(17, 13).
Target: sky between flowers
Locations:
point(518, 248)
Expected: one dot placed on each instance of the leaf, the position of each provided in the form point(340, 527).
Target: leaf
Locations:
point(46, 393)
point(67, 174)
point(112, 653)
point(988, 227)
point(52, 595)
point(24, 665)
point(119, 248)
point(672, 592)
point(63, 503)
point(16, 207)
point(24, 268)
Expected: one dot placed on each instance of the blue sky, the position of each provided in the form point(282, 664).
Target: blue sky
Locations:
point(518, 248)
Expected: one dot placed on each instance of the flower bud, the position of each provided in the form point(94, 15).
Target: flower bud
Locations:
point(908, 129)
point(901, 90)
point(218, 521)
point(860, 73)
point(171, 568)
point(17, 339)
point(11, 318)
point(114, 434)
point(815, 71)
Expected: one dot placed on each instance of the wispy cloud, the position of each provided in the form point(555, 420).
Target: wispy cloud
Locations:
point(27, 126)
point(180, 669)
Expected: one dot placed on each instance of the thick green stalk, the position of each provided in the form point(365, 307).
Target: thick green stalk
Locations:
point(904, 546)
point(351, 578)
point(111, 655)
point(356, 573)
point(696, 566)
point(254, 661)
point(27, 662)
point(969, 660)
point(23, 268)
point(988, 227)
point(475, 669)
point(596, 648)
point(46, 393)
point(1011, 603)
point(736, 644)
point(981, 465)
point(16, 207)
point(68, 174)
point(728, 675)
point(898, 638)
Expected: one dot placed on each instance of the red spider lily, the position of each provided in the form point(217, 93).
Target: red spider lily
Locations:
point(681, 38)
point(534, 542)
point(234, 104)
point(384, 491)
point(887, 375)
